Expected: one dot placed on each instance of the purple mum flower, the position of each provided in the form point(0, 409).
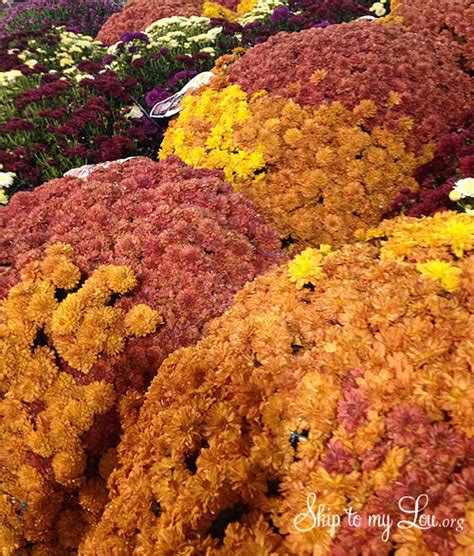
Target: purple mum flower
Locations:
point(282, 12)
point(108, 59)
point(177, 77)
point(155, 95)
point(133, 35)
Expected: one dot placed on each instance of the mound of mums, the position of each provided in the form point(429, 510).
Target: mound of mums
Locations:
point(102, 278)
point(137, 15)
point(79, 16)
point(255, 20)
point(323, 142)
point(344, 374)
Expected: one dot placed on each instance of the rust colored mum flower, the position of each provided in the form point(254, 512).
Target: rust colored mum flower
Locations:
point(322, 128)
point(358, 389)
point(159, 249)
point(358, 61)
point(448, 21)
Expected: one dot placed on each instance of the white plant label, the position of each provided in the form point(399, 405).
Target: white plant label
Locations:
point(172, 105)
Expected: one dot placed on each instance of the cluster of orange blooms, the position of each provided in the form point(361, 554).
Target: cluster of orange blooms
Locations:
point(321, 176)
point(50, 410)
point(353, 383)
point(323, 145)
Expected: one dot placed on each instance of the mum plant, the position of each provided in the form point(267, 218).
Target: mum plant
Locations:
point(341, 380)
point(84, 326)
point(67, 102)
point(323, 142)
point(448, 22)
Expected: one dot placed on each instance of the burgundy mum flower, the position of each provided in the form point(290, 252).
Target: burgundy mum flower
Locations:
point(338, 458)
point(16, 124)
point(352, 409)
point(405, 425)
point(155, 95)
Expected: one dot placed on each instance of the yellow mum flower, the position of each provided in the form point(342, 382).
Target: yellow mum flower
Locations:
point(445, 274)
point(324, 249)
point(119, 279)
point(379, 9)
point(455, 195)
point(458, 233)
point(306, 267)
point(394, 99)
point(214, 10)
point(66, 61)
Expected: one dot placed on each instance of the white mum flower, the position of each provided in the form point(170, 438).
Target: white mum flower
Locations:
point(462, 189)
point(82, 76)
point(134, 112)
point(379, 9)
point(6, 178)
point(113, 49)
point(214, 32)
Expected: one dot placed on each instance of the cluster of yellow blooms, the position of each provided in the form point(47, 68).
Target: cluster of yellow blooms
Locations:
point(433, 242)
point(358, 390)
point(315, 174)
point(214, 116)
point(74, 48)
point(71, 49)
point(445, 274)
point(48, 409)
point(443, 236)
point(216, 10)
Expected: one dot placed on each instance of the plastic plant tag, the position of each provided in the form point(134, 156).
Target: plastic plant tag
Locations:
point(172, 105)
point(84, 171)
